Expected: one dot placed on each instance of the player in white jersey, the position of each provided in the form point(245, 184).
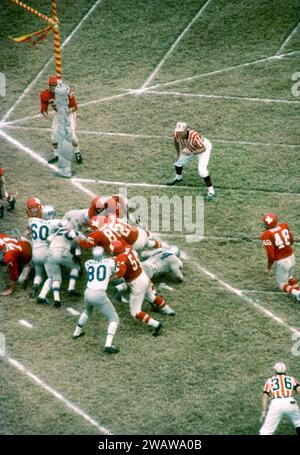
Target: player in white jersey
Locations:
point(188, 144)
point(41, 229)
point(78, 218)
point(280, 389)
point(99, 271)
point(60, 253)
point(163, 260)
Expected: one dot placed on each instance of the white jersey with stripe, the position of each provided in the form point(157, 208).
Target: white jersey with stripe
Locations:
point(41, 230)
point(99, 273)
point(61, 239)
point(163, 261)
point(192, 142)
point(280, 386)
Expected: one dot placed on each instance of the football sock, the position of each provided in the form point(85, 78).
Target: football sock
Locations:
point(112, 328)
point(178, 170)
point(144, 317)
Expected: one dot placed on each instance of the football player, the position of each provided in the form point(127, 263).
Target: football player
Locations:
point(163, 260)
point(16, 254)
point(99, 271)
point(277, 240)
point(5, 196)
point(188, 143)
point(48, 98)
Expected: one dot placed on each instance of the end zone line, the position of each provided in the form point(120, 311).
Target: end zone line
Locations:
point(248, 300)
point(223, 97)
point(29, 87)
point(19, 366)
point(294, 31)
point(153, 74)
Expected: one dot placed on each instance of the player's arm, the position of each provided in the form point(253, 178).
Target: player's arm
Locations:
point(72, 103)
point(177, 270)
point(44, 105)
point(177, 148)
point(264, 405)
point(13, 274)
point(270, 250)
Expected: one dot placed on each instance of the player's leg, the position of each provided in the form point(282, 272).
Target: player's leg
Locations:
point(157, 301)
point(108, 310)
point(136, 298)
point(75, 142)
point(69, 263)
point(54, 140)
point(294, 414)
point(89, 302)
point(284, 272)
point(272, 419)
point(203, 160)
point(182, 161)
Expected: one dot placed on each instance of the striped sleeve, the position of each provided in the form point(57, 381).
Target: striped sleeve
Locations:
point(267, 387)
point(196, 139)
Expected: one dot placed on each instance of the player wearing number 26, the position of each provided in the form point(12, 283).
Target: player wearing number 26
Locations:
point(277, 240)
point(280, 389)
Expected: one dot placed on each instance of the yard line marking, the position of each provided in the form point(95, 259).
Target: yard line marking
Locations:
point(253, 291)
point(225, 97)
point(25, 323)
point(223, 70)
point(19, 366)
point(154, 73)
point(73, 312)
point(153, 136)
point(66, 41)
point(294, 31)
point(248, 300)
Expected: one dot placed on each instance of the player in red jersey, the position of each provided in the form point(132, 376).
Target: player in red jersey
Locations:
point(5, 195)
point(17, 256)
point(48, 98)
point(277, 240)
point(115, 205)
point(130, 268)
point(189, 143)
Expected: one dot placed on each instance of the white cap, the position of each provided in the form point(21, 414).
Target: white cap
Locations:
point(180, 127)
point(279, 367)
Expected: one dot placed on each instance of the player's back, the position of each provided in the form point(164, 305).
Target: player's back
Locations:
point(41, 229)
point(99, 273)
point(281, 238)
point(280, 386)
point(133, 266)
point(60, 240)
point(78, 218)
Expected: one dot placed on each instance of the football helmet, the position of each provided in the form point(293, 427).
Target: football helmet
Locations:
point(174, 250)
point(52, 81)
point(280, 367)
point(117, 247)
point(98, 252)
point(270, 220)
point(48, 212)
point(180, 127)
point(1, 171)
point(34, 207)
point(98, 203)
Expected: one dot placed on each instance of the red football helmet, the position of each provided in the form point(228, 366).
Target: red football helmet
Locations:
point(34, 207)
point(117, 247)
point(270, 220)
point(52, 80)
point(1, 171)
point(98, 203)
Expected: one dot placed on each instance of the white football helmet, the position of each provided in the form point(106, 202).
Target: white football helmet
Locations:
point(280, 367)
point(98, 253)
point(48, 212)
point(180, 127)
point(174, 250)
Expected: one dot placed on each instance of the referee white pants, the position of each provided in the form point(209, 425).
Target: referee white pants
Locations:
point(278, 408)
point(284, 270)
point(203, 159)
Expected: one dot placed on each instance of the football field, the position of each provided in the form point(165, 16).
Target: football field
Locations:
point(137, 67)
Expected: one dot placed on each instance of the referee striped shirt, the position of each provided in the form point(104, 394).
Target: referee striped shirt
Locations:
point(193, 140)
point(280, 386)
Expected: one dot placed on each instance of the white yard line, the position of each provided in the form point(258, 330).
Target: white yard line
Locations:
point(294, 31)
point(26, 323)
point(257, 291)
point(66, 41)
point(223, 70)
point(73, 407)
point(73, 312)
point(223, 97)
point(248, 300)
point(154, 73)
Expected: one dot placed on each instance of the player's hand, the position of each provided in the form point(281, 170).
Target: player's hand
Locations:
point(262, 417)
point(7, 292)
point(186, 152)
point(267, 270)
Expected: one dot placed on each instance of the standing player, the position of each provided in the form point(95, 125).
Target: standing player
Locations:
point(5, 196)
point(277, 240)
point(188, 143)
point(280, 389)
point(99, 271)
point(17, 256)
point(48, 98)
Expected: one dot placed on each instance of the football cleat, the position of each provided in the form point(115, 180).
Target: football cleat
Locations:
point(209, 197)
point(111, 349)
point(78, 157)
point(57, 304)
point(173, 182)
point(40, 300)
point(11, 204)
point(52, 160)
point(157, 329)
point(78, 332)
point(1, 211)
point(33, 291)
point(65, 174)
